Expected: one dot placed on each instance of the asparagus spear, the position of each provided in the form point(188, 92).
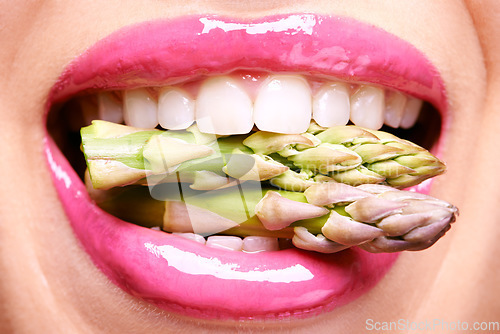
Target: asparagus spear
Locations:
point(327, 217)
point(318, 213)
point(118, 155)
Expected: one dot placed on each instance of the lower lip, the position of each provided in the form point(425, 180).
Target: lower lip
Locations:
point(191, 279)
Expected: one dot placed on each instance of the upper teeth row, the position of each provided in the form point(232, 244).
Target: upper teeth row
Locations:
point(282, 104)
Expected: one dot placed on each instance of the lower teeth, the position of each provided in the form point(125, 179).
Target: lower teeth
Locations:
point(197, 184)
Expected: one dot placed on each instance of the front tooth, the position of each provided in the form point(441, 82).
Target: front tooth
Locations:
point(331, 105)
point(139, 109)
point(110, 108)
point(224, 108)
point(367, 107)
point(283, 105)
point(410, 115)
point(254, 244)
point(394, 108)
point(175, 109)
point(191, 236)
point(225, 242)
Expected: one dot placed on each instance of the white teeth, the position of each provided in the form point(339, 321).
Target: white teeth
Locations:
point(223, 107)
point(254, 244)
point(367, 107)
point(394, 108)
point(225, 242)
point(110, 108)
point(139, 109)
point(411, 113)
point(331, 105)
point(191, 236)
point(283, 105)
point(175, 109)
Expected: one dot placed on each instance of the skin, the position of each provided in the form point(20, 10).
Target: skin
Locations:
point(49, 283)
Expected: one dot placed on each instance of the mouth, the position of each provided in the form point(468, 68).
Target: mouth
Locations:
point(230, 78)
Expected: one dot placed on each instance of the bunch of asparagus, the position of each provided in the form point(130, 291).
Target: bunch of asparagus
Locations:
point(326, 189)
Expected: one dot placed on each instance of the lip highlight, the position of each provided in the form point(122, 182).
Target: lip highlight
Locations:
point(188, 278)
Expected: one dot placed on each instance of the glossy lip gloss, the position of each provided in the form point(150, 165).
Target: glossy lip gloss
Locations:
point(180, 275)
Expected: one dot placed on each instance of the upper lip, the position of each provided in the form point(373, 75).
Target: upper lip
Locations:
point(145, 54)
point(165, 52)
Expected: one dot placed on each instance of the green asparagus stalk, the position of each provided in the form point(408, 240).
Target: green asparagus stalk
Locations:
point(335, 182)
point(327, 217)
point(118, 155)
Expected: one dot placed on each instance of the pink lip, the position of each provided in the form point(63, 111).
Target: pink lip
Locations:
point(182, 276)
